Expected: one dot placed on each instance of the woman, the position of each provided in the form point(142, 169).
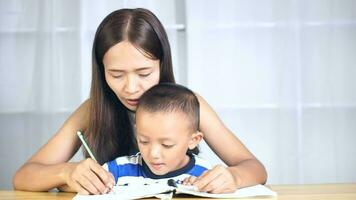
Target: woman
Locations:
point(131, 53)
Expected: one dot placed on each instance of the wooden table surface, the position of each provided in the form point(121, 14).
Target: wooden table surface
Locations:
point(290, 192)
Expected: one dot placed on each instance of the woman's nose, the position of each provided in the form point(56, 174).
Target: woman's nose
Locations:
point(131, 86)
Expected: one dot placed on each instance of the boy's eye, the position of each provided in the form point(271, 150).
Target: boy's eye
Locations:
point(168, 145)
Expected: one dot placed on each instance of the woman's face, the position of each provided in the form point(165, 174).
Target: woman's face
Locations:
point(129, 73)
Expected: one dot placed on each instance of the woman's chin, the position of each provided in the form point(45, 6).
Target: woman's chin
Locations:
point(130, 107)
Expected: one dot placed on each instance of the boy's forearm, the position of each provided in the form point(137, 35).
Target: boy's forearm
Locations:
point(40, 177)
point(249, 172)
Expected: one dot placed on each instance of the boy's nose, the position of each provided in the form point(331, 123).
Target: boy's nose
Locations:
point(155, 152)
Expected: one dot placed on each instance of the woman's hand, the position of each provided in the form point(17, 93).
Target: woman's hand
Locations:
point(216, 180)
point(87, 177)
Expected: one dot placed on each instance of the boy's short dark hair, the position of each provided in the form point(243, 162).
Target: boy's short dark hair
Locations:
point(170, 97)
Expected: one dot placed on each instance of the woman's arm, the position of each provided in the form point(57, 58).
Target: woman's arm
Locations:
point(48, 167)
point(243, 168)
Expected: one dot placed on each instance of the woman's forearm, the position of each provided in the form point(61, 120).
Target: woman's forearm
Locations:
point(249, 172)
point(40, 177)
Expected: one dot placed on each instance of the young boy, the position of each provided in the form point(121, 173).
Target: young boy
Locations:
point(167, 134)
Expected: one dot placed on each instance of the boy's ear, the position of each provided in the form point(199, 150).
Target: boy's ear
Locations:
point(195, 139)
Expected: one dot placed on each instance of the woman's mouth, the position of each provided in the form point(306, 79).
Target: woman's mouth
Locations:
point(132, 102)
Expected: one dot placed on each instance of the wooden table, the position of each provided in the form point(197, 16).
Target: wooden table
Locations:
point(290, 192)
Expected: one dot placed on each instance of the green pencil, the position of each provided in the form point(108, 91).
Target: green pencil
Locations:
point(80, 135)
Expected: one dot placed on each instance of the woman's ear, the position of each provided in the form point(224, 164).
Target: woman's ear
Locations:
point(196, 137)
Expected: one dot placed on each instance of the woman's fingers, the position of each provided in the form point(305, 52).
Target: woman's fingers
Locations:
point(106, 177)
point(89, 177)
point(217, 180)
point(94, 181)
point(89, 185)
point(208, 183)
point(203, 181)
point(222, 187)
point(103, 180)
point(77, 187)
point(189, 180)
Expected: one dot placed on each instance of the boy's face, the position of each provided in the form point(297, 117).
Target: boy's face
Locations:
point(163, 140)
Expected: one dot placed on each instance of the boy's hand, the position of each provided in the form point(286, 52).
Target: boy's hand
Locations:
point(216, 180)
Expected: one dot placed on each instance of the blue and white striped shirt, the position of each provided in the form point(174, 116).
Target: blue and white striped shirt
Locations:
point(134, 166)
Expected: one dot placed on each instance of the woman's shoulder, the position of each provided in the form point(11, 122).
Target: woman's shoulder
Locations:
point(80, 117)
point(85, 105)
point(78, 120)
point(204, 106)
point(207, 113)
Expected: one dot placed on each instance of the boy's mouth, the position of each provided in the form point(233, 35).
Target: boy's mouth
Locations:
point(157, 166)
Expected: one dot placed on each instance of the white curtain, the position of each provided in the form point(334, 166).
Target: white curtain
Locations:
point(45, 67)
point(40, 76)
point(281, 74)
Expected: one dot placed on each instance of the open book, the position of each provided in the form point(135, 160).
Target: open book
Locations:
point(166, 190)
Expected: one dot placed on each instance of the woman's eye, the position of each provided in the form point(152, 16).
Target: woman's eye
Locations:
point(168, 145)
point(144, 75)
point(143, 142)
point(116, 75)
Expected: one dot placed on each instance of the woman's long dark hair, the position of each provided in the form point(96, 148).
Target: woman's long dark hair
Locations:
point(110, 133)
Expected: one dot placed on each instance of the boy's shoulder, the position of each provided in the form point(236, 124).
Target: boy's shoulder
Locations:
point(202, 162)
point(133, 159)
point(124, 160)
